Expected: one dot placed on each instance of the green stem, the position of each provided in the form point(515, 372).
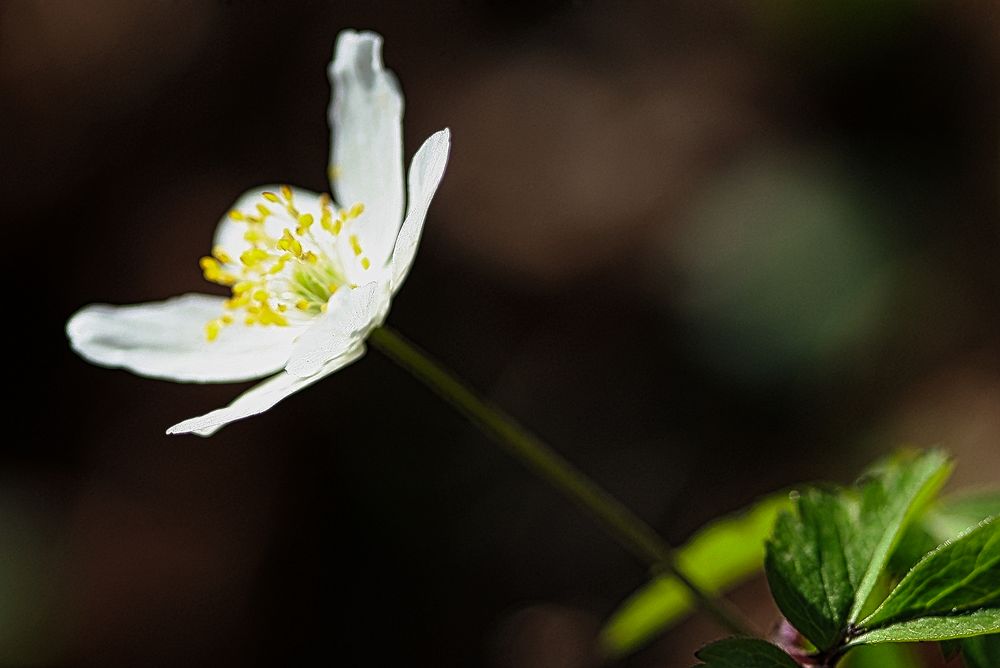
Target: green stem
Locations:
point(624, 526)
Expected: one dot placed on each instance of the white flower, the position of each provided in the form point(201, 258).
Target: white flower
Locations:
point(310, 278)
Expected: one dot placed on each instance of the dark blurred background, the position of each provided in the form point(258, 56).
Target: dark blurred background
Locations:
point(706, 249)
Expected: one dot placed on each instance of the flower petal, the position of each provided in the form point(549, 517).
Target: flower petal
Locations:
point(229, 232)
point(167, 340)
point(426, 171)
point(366, 158)
point(261, 397)
point(349, 316)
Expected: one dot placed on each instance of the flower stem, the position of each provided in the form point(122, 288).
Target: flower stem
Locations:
point(618, 521)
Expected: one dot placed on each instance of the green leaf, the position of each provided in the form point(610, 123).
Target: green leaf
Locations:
point(807, 567)
point(744, 653)
point(717, 557)
point(895, 492)
point(954, 514)
point(947, 627)
point(824, 562)
point(981, 651)
point(915, 543)
point(942, 521)
point(888, 655)
point(959, 576)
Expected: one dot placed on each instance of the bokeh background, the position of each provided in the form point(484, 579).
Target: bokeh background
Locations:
point(706, 249)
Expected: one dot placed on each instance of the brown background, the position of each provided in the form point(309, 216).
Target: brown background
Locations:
point(706, 249)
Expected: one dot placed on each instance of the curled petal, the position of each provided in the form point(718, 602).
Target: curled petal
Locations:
point(167, 340)
point(366, 157)
point(349, 316)
point(261, 397)
point(426, 171)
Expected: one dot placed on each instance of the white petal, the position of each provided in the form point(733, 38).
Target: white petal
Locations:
point(167, 340)
point(229, 233)
point(349, 316)
point(261, 397)
point(426, 171)
point(366, 157)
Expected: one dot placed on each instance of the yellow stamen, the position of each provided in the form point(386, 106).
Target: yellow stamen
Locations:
point(253, 256)
point(270, 317)
point(277, 280)
point(289, 243)
point(212, 328)
point(305, 222)
point(255, 235)
point(213, 272)
point(280, 264)
point(221, 255)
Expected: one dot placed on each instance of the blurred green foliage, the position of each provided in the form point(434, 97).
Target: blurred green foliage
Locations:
point(721, 555)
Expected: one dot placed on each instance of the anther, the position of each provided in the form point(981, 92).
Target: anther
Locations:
point(355, 244)
point(212, 328)
point(305, 222)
